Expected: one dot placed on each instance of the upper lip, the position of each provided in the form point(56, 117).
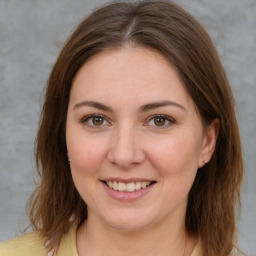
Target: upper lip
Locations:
point(127, 180)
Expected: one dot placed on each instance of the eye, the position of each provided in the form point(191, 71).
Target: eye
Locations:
point(160, 121)
point(95, 121)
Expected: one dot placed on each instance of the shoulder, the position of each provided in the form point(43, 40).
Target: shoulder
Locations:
point(197, 251)
point(29, 244)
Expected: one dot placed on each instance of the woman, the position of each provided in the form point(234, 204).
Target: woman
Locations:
point(138, 148)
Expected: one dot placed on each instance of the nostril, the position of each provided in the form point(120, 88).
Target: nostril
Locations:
point(125, 157)
point(125, 149)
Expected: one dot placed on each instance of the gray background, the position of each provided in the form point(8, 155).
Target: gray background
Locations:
point(31, 34)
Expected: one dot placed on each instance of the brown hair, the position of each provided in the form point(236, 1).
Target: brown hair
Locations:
point(163, 26)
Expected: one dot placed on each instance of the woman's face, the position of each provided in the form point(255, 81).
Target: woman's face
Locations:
point(134, 139)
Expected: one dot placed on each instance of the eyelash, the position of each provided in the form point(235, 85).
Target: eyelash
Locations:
point(161, 116)
point(85, 121)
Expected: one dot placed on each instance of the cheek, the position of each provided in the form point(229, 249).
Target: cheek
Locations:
point(176, 155)
point(86, 152)
point(86, 157)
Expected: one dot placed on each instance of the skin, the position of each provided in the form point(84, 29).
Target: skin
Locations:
point(128, 141)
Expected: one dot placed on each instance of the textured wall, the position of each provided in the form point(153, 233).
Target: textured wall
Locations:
point(31, 35)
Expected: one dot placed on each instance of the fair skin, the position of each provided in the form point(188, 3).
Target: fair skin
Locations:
point(131, 124)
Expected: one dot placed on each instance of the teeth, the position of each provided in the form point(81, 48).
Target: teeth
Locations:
point(144, 184)
point(115, 185)
point(138, 185)
point(128, 187)
point(121, 186)
point(110, 184)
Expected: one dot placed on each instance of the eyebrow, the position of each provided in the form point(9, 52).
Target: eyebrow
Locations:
point(159, 104)
point(93, 104)
point(143, 108)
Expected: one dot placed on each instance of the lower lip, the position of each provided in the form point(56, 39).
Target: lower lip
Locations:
point(127, 196)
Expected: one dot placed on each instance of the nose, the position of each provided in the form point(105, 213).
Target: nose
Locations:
point(126, 149)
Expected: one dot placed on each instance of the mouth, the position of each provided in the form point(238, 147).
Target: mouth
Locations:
point(128, 187)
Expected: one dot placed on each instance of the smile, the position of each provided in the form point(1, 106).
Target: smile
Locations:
point(128, 187)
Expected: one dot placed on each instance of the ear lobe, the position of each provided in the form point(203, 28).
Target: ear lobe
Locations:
point(209, 142)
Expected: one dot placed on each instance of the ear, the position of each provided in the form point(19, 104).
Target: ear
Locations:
point(209, 142)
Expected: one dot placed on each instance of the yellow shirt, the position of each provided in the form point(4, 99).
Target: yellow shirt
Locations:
point(31, 244)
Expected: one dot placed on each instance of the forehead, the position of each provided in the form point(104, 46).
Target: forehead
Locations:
point(126, 72)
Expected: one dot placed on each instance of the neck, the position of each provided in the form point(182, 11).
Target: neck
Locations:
point(95, 238)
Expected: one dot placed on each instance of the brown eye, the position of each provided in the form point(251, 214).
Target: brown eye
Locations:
point(159, 121)
point(97, 120)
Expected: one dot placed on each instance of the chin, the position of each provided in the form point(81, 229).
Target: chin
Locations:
point(129, 221)
point(129, 226)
